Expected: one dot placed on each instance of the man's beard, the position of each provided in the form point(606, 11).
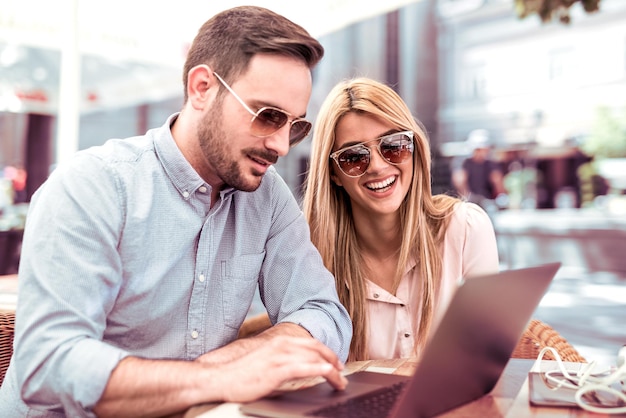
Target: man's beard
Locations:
point(215, 149)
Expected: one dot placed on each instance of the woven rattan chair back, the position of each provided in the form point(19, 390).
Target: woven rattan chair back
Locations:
point(7, 329)
point(538, 335)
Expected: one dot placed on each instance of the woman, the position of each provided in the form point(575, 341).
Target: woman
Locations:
point(397, 252)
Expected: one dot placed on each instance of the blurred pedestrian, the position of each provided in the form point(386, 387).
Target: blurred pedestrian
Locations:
point(17, 175)
point(478, 178)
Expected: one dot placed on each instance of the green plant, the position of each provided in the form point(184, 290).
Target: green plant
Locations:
point(608, 135)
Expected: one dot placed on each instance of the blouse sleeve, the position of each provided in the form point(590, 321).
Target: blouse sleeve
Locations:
point(480, 250)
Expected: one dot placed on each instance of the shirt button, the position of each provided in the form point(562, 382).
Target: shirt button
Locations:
point(185, 194)
point(202, 189)
point(201, 278)
point(376, 295)
point(194, 334)
point(406, 334)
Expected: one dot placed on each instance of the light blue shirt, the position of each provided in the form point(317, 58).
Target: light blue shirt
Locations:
point(123, 255)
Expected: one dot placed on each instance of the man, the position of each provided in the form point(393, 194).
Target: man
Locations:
point(142, 256)
point(478, 178)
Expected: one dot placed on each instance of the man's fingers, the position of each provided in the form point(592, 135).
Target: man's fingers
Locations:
point(326, 370)
point(279, 360)
point(315, 347)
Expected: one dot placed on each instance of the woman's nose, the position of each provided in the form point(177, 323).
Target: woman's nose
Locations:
point(377, 162)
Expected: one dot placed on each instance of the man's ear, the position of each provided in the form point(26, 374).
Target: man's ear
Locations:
point(200, 81)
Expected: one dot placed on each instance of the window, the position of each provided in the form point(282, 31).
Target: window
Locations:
point(561, 64)
point(475, 82)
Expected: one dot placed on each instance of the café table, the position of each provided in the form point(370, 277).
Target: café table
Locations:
point(509, 398)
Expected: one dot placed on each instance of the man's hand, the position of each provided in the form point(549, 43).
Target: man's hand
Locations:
point(242, 371)
point(241, 347)
point(276, 361)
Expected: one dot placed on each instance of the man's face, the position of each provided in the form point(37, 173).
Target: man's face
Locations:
point(481, 153)
point(234, 155)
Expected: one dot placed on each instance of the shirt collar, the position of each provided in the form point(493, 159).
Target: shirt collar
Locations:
point(180, 172)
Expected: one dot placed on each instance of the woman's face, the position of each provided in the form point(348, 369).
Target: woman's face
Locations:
point(383, 186)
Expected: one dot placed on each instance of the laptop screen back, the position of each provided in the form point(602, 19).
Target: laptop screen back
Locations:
point(463, 360)
point(475, 340)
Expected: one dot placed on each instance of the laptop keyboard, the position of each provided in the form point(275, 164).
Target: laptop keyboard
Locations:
point(375, 404)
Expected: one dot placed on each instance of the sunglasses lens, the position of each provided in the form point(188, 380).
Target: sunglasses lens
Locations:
point(299, 130)
point(397, 148)
point(268, 121)
point(354, 161)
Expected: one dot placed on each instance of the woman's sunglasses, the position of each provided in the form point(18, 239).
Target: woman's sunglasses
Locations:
point(395, 148)
point(268, 120)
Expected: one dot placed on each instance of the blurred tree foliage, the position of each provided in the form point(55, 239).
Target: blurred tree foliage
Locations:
point(548, 10)
point(607, 138)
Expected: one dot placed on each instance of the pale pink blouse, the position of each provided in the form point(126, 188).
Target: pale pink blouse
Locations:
point(469, 249)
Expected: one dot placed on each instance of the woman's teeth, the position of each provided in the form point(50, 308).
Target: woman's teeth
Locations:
point(381, 184)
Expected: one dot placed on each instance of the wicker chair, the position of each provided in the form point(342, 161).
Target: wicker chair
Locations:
point(539, 335)
point(7, 327)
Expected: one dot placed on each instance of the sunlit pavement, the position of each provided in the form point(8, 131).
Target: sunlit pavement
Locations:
point(589, 310)
point(586, 302)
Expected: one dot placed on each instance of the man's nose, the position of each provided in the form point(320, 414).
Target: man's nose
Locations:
point(279, 141)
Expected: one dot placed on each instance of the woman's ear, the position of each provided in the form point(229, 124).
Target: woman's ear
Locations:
point(200, 81)
point(335, 179)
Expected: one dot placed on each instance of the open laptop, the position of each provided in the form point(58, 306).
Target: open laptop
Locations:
point(463, 361)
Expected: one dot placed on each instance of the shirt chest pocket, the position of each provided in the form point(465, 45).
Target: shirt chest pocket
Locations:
point(239, 281)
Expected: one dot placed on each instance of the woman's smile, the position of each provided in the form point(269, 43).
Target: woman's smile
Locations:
point(381, 186)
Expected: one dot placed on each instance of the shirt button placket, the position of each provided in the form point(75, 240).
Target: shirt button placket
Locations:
point(195, 344)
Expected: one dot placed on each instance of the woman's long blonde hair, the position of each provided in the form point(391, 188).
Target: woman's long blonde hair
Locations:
point(328, 210)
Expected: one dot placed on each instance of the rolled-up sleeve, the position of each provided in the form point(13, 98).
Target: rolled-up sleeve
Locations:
point(58, 331)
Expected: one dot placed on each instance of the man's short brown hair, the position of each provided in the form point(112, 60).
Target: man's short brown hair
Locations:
point(228, 41)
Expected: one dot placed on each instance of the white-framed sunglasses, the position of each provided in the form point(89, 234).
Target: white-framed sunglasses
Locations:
point(395, 148)
point(268, 120)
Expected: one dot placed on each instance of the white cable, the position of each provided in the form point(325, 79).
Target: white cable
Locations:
point(584, 382)
point(595, 388)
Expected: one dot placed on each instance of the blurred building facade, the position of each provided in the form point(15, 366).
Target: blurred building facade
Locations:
point(526, 81)
point(537, 88)
point(460, 65)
